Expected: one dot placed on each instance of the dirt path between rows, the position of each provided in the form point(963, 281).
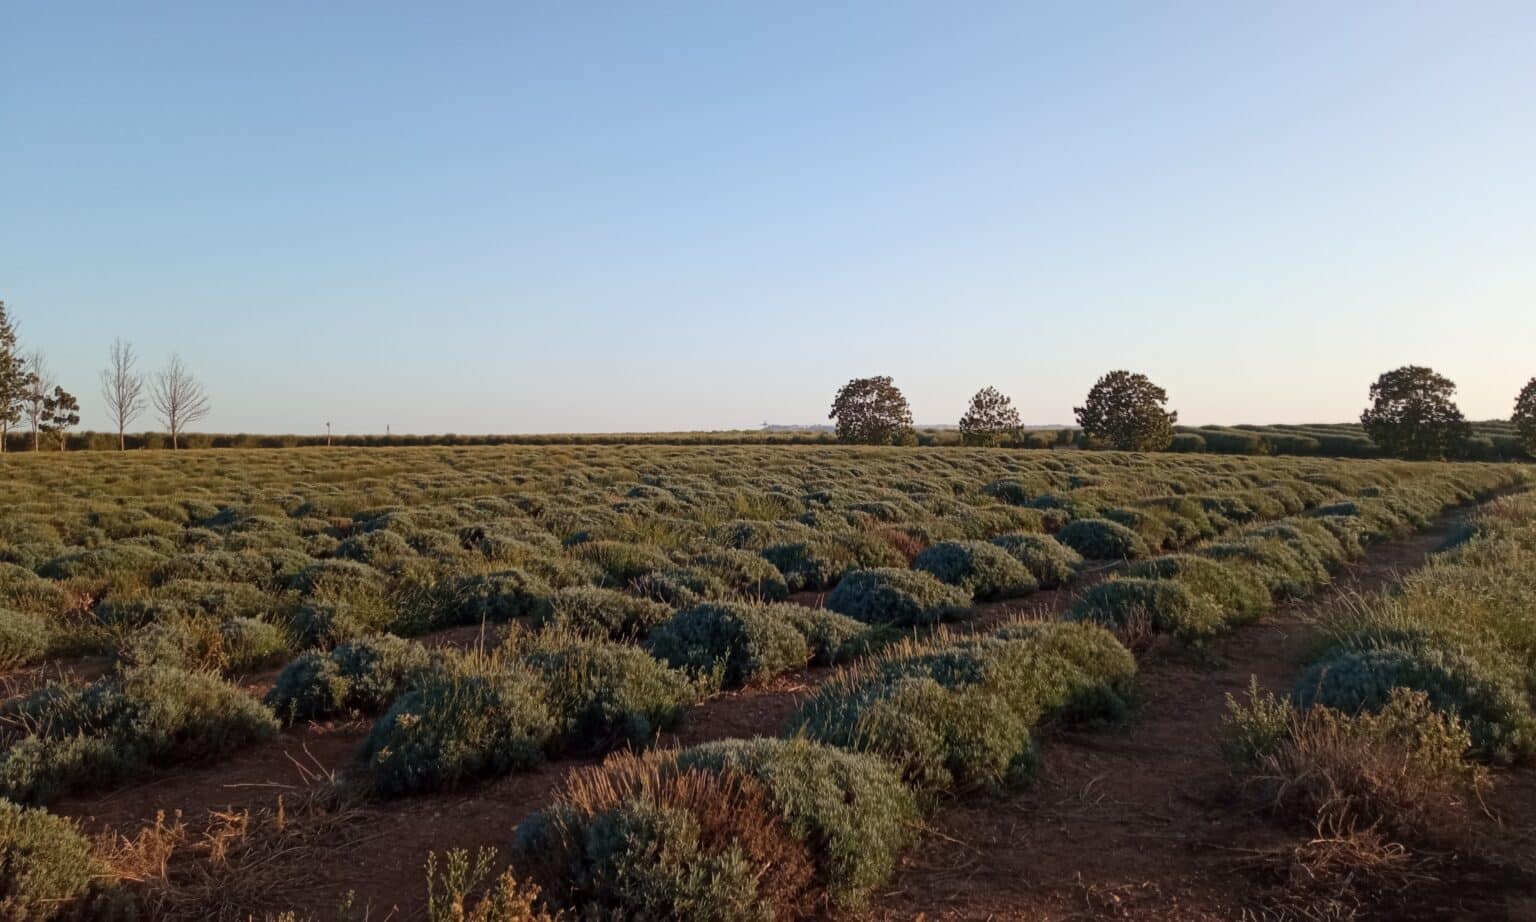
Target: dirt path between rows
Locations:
point(1137, 822)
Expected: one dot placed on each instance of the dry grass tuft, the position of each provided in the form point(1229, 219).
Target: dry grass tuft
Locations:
point(238, 865)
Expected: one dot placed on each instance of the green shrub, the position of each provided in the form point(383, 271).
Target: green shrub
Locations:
point(492, 597)
point(680, 587)
point(851, 809)
point(984, 570)
point(602, 692)
point(897, 597)
point(811, 565)
point(121, 726)
point(45, 863)
point(1489, 702)
point(473, 717)
point(596, 612)
point(1163, 605)
point(963, 712)
point(23, 639)
point(747, 642)
point(1237, 589)
point(339, 581)
point(744, 574)
point(641, 839)
point(622, 561)
point(362, 675)
point(831, 637)
point(1052, 563)
point(102, 562)
point(319, 623)
point(1101, 539)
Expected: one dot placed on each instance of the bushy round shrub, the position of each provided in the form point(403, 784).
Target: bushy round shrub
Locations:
point(894, 596)
point(339, 581)
point(25, 591)
point(851, 809)
point(830, 636)
point(746, 642)
point(638, 838)
point(499, 596)
point(324, 624)
point(23, 639)
point(362, 675)
point(100, 562)
point(984, 570)
point(121, 725)
point(1239, 591)
point(1052, 563)
point(45, 863)
point(471, 718)
point(680, 587)
point(251, 644)
point(375, 548)
point(813, 565)
point(1489, 703)
point(604, 692)
point(622, 561)
point(1166, 605)
point(744, 574)
point(596, 612)
point(1101, 539)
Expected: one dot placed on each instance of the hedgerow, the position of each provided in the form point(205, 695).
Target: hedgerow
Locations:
point(897, 597)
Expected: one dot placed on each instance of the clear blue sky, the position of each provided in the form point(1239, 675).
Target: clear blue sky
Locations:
point(509, 217)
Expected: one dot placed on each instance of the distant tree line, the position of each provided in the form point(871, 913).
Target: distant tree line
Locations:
point(1413, 415)
point(32, 402)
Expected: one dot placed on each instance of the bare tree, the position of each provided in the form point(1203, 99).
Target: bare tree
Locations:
point(122, 387)
point(179, 397)
point(34, 401)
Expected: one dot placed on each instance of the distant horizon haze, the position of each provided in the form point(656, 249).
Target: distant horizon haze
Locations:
point(492, 218)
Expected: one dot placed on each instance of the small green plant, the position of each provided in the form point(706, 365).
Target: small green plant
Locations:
point(1166, 606)
point(450, 892)
point(362, 675)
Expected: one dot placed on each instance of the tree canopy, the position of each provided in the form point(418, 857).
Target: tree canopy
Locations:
point(1124, 410)
point(871, 411)
point(1524, 416)
point(1412, 415)
point(989, 418)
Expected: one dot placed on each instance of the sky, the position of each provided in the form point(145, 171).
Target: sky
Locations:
point(559, 217)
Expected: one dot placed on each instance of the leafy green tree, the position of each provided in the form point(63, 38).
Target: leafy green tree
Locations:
point(989, 418)
point(61, 412)
point(1524, 417)
point(1125, 411)
point(1412, 415)
point(13, 376)
point(871, 411)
